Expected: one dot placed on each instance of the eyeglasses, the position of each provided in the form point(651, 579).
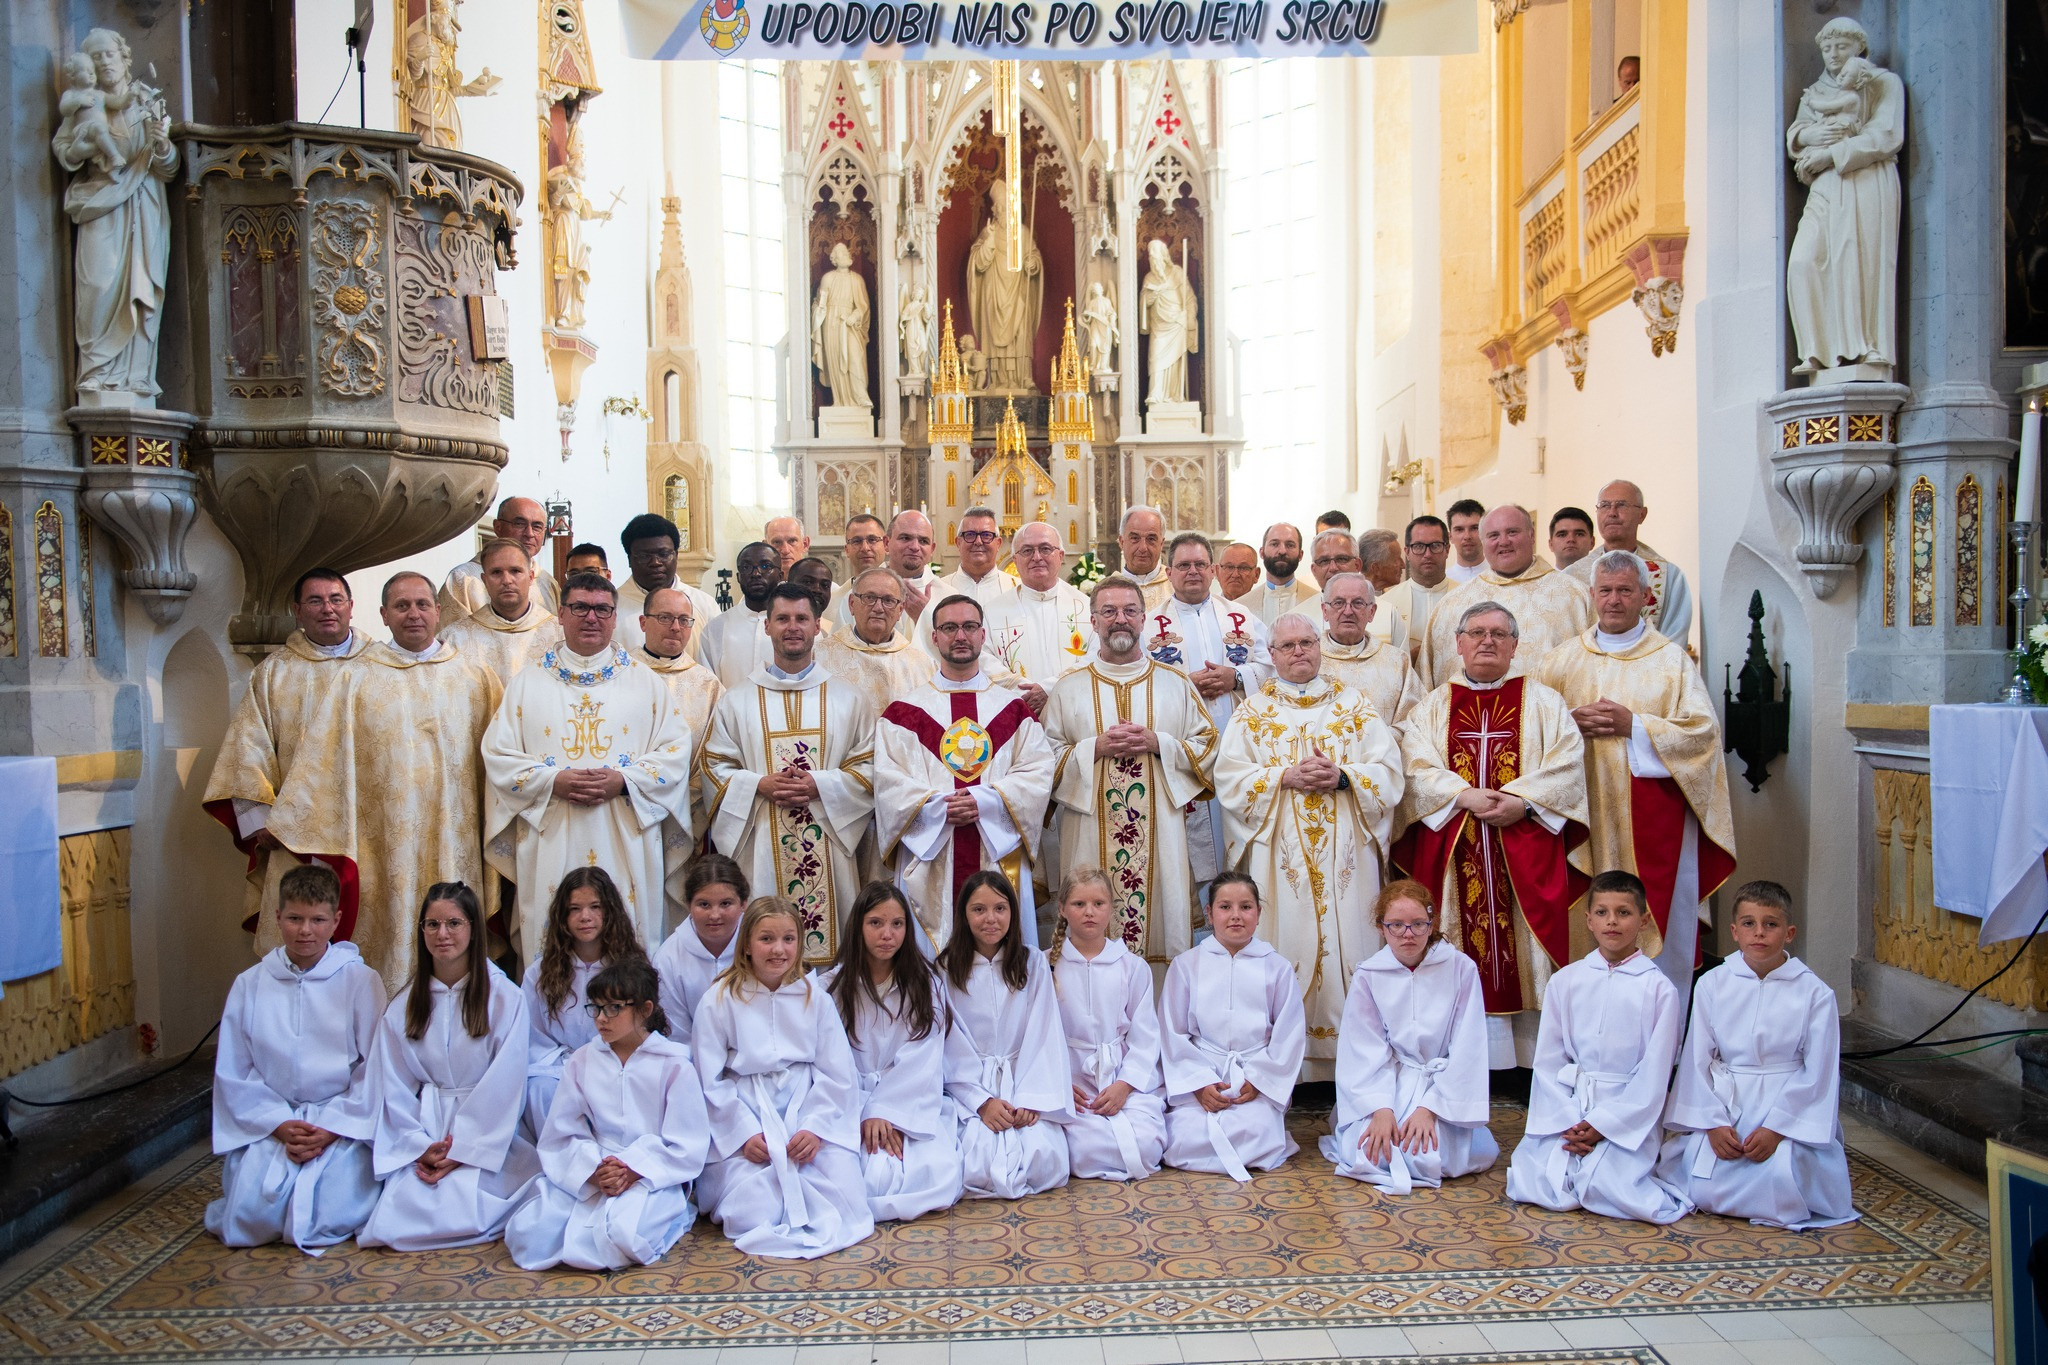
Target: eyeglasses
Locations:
point(603, 611)
point(608, 1009)
point(1429, 547)
point(864, 540)
point(1036, 551)
point(976, 537)
point(1613, 506)
point(1496, 636)
point(952, 628)
point(877, 599)
point(1405, 928)
point(516, 524)
point(1292, 645)
point(671, 620)
point(1121, 613)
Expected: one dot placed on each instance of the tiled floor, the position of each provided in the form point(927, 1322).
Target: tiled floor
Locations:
point(1933, 1334)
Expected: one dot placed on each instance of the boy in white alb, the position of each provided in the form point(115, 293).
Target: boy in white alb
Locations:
point(1755, 1118)
point(292, 1104)
point(1601, 1073)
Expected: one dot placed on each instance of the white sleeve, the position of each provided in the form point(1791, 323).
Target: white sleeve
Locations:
point(926, 834)
point(998, 833)
point(250, 817)
point(1642, 754)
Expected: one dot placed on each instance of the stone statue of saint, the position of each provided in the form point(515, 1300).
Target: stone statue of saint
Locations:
point(569, 254)
point(1099, 318)
point(116, 134)
point(432, 82)
point(1167, 314)
point(914, 324)
point(839, 332)
point(1841, 277)
point(1004, 304)
point(973, 364)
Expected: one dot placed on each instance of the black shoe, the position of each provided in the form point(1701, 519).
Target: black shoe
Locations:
point(1510, 1083)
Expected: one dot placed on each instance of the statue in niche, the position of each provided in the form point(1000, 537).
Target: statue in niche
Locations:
point(115, 134)
point(973, 364)
point(432, 82)
point(914, 323)
point(839, 332)
point(569, 254)
point(1841, 277)
point(1099, 319)
point(1004, 304)
point(1167, 314)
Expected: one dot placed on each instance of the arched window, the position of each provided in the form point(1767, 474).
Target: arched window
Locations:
point(672, 407)
point(751, 247)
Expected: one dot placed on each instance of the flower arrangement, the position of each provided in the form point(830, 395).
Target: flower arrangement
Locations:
point(2031, 659)
point(1087, 572)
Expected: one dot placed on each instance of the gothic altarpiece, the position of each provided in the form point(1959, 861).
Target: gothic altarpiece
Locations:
point(901, 379)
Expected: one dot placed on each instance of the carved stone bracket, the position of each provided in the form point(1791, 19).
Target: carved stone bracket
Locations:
point(140, 487)
point(1658, 264)
point(1833, 451)
point(1576, 346)
point(1509, 379)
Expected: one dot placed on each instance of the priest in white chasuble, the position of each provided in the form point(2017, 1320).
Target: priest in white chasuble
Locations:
point(1668, 604)
point(1141, 537)
point(1361, 660)
point(1039, 629)
point(417, 709)
point(788, 776)
point(465, 592)
point(512, 628)
point(963, 776)
point(652, 543)
point(1549, 607)
point(1495, 803)
point(1308, 777)
point(286, 731)
point(1656, 782)
point(735, 643)
point(1221, 646)
point(667, 623)
point(874, 655)
point(1134, 743)
point(589, 765)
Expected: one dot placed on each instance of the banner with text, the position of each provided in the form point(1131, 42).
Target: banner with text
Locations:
point(1040, 30)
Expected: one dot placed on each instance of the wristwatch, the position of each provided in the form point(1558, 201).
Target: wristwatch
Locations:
point(1343, 780)
point(1528, 809)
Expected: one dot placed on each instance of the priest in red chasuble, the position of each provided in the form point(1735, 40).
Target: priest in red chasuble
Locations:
point(1495, 801)
point(1655, 777)
point(963, 774)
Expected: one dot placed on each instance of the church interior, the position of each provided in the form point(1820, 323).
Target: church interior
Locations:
point(362, 288)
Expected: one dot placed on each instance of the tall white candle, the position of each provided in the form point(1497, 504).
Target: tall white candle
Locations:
point(2027, 488)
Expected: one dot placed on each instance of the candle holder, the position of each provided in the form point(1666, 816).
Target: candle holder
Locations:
point(2016, 691)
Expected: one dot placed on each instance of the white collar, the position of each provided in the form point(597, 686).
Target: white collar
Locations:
point(798, 676)
point(979, 682)
point(1276, 585)
point(1621, 641)
point(1493, 686)
point(420, 656)
point(1031, 594)
point(339, 651)
point(1258, 947)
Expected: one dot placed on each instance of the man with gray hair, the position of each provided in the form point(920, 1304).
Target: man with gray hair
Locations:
point(1655, 779)
point(980, 547)
point(874, 655)
point(1380, 559)
point(1356, 657)
point(1141, 536)
point(1620, 514)
point(1494, 804)
point(1039, 629)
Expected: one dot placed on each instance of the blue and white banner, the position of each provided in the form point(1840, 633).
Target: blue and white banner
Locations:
point(1039, 30)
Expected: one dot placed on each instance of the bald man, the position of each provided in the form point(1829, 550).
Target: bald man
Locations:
point(1549, 607)
point(912, 542)
point(1620, 513)
point(464, 591)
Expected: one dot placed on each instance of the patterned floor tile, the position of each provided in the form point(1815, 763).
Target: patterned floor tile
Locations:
point(1297, 1249)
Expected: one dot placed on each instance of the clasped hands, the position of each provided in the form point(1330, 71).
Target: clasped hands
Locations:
point(961, 808)
point(1604, 719)
point(589, 786)
point(802, 1147)
point(302, 1141)
point(1000, 1116)
point(791, 787)
point(1126, 739)
point(1214, 680)
point(613, 1177)
point(1731, 1146)
point(1581, 1138)
point(1498, 809)
point(1316, 773)
point(1415, 1135)
point(434, 1164)
point(1214, 1101)
point(1108, 1101)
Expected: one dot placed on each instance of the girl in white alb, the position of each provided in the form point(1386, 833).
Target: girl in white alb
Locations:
point(625, 1138)
point(895, 1017)
point(293, 1111)
point(451, 1075)
point(1232, 1035)
point(1118, 1130)
point(690, 959)
point(784, 1175)
point(588, 929)
point(1755, 1128)
point(1006, 1059)
point(1412, 1099)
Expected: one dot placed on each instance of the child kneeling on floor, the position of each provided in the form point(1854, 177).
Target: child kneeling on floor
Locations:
point(1755, 1109)
point(1412, 1099)
point(293, 1105)
point(1601, 1073)
point(624, 1137)
point(1118, 1130)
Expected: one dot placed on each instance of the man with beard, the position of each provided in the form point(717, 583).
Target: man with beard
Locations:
point(736, 643)
point(464, 592)
point(788, 774)
point(814, 576)
point(1279, 592)
point(963, 775)
point(1135, 742)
